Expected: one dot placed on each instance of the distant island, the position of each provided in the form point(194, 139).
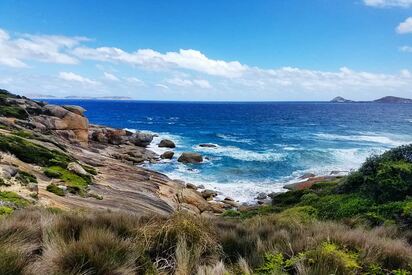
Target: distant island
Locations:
point(386, 99)
point(41, 96)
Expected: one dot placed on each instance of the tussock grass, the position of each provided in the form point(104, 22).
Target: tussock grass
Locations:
point(39, 241)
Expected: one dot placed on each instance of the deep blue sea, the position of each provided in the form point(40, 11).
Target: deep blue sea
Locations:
point(261, 146)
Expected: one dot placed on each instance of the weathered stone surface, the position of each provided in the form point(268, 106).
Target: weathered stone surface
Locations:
point(167, 143)
point(8, 171)
point(192, 197)
point(75, 109)
point(261, 196)
point(77, 168)
point(141, 139)
point(189, 157)
point(208, 194)
point(191, 186)
point(167, 155)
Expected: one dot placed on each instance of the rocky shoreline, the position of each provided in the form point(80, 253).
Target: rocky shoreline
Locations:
point(115, 179)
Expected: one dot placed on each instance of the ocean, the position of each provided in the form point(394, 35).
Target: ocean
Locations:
point(261, 146)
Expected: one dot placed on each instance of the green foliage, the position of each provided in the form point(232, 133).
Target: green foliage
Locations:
point(55, 190)
point(25, 178)
point(23, 134)
point(5, 210)
point(75, 184)
point(13, 199)
point(32, 153)
point(13, 111)
point(89, 169)
point(273, 264)
point(303, 214)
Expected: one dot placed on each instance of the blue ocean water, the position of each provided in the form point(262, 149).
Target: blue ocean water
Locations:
point(261, 146)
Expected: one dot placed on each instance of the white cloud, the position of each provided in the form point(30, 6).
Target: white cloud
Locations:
point(388, 3)
point(200, 83)
point(184, 59)
point(69, 76)
point(162, 86)
point(110, 77)
point(15, 51)
point(134, 80)
point(405, 26)
point(407, 49)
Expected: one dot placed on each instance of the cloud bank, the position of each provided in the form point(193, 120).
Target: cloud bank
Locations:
point(150, 74)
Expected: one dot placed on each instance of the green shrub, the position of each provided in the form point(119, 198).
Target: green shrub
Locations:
point(23, 134)
point(5, 210)
point(55, 190)
point(25, 178)
point(13, 199)
point(303, 214)
point(13, 111)
point(32, 153)
point(75, 184)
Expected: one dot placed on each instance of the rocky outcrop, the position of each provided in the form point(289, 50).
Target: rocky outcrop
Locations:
point(167, 155)
point(189, 157)
point(141, 139)
point(167, 143)
point(208, 145)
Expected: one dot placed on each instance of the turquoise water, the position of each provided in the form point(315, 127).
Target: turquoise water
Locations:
point(261, 146)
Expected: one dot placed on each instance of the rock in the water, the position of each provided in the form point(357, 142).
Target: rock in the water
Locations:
point(167, 155)
point(189, 157)
point(209, 194)
point(141, 139)
point(208, 145)
point(261, 196)
point(167, 143)
point(76, 168)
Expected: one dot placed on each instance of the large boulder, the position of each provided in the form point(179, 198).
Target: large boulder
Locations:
point(193, 197)
point(77, 168)
point(141, 139)
point(75, 109)
point(167, 155)
point(167, 143)
point(190, 157)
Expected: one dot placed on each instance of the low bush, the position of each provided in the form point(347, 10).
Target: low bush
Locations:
point(75, 184)
point(55, 190)
point(32, 153)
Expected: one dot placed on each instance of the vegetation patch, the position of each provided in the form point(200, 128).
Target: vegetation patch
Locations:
point(32, 153)
point(12, 199)
point(13, 111)
point(75, 184)
point(25, 178)
point(55, 190)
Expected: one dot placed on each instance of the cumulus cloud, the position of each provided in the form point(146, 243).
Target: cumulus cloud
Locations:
point(388, 3)
point(183, 59)
point(407, 49)
point(16, 50)
point(405, 26)
point(69, 76)
point(110, 77)
point(200, 83)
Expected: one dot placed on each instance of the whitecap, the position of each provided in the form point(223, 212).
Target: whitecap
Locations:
point(241, 154)
point(234, 138)
point(384, 138)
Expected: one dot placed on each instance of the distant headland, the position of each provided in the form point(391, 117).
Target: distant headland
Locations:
point(386, 99)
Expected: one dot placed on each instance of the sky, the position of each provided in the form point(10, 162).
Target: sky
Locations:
point(213, 50)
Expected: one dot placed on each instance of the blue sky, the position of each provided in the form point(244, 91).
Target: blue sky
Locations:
point(208, 50)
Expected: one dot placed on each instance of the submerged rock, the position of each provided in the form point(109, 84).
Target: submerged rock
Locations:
point(261, 196)
point(208, 145)
point(167, 143)
point(189, 157)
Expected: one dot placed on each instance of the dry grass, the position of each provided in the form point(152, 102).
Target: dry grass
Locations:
point(35, 241)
